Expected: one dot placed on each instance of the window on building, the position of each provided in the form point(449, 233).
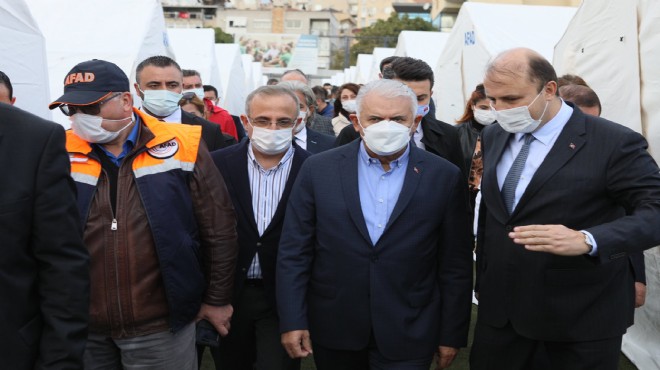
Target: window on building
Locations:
point(320, 27)
point(262, 24)
point(293, 23)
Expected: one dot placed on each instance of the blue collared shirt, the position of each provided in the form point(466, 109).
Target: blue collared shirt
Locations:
point(379, 190)
point(129, 144)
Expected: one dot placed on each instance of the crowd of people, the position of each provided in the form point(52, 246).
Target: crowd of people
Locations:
point(338, 221)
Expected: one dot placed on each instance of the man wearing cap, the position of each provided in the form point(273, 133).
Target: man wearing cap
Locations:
point(158, 224)
point(159, 83)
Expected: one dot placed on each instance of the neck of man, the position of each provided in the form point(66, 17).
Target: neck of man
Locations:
point(116, 146)
point(553, 109)
point(268, 161)
point(322, 106)
point(385, 160)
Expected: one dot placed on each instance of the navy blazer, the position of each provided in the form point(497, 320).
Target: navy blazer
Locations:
point(232, 163)
point(412, 289)
point(44, 279)
point(318, 142)
point(598, 177)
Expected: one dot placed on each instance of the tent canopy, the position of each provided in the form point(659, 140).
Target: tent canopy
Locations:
point(363, 67)
point(231, 74)
point(481, 32)
point(195, 49)
point(378, 55)
point(423, 45)
point(137, 32)
point(24, 58)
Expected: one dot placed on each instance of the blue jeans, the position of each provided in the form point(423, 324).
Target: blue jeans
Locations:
point(159, 351)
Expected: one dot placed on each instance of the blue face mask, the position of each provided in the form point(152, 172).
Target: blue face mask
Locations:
point(422, 110)
point(161, 103)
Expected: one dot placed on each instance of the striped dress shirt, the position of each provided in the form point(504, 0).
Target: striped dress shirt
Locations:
point(266, 187)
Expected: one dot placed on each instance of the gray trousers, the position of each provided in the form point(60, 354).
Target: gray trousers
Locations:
point(159, 351)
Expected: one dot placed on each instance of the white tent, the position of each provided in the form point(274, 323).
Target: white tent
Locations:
point(124, 32)
point(424, 45)
point(615, 46)
point(195, 49)
point(257, 75)
point(246, 60)
point(481, 32)
point(24, 57)
point(379, 54)
point(363, 66)
point(232, 75)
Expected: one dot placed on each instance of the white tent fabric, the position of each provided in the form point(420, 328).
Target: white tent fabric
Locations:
point(234, 92)
point(23, 60)
point(195, 49)
point(424, 45)
point(131, 31)
point(612, 33)
point(380, 54)
point(246, 60)
point(615, 46)
point(257, 75)
point(481, 32)
point(363, 65)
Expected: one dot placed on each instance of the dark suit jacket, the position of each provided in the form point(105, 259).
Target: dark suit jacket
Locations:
point(318, 142)
point(232, 163)
point(211, 133)
point(411, 288)
point(240, 130)
point(596, 172)
point(321, 124)
point(441, 138)
point(44, 268)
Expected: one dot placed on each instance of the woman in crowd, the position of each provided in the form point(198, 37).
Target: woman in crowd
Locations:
point(344, 106)
point(192, 104)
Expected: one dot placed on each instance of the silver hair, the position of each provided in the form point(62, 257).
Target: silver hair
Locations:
point(271, 90)
point(387, 89)
point(297, 86)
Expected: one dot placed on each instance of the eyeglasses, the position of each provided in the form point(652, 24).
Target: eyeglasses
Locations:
point(92, 109)
point(281, 123)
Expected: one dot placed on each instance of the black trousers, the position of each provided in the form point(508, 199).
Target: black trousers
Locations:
point(369, 358)
point(254, 337)
point(502, 348)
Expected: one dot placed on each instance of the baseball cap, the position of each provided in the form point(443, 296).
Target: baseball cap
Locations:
point(90, 82)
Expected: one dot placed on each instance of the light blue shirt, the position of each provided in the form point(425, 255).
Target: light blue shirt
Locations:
point(379, 190)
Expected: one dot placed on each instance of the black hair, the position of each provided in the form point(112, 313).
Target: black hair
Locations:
point(386, 61)
point(541, 72)
point(409, 69)
point(190, 73)
point(211, 88)
point(4, 80)
point(159, 61)
point(320, 92)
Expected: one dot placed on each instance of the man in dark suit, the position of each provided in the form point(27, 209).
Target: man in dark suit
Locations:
point(434, 136)
point(305, 137)
point(566, 198)
point(260, 173)
point(375, 256)
point(159, 83)
point(44, 284)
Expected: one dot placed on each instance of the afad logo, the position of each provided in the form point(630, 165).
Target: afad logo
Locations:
point(164, 150)
point(75, 78)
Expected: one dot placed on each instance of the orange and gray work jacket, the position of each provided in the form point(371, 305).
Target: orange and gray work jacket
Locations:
point(170, 242)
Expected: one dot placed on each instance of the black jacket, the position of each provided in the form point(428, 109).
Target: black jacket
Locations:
point(211, 133)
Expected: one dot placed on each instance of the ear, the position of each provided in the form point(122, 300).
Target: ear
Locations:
point(356, 122)
point(138, 91)
point(13, 100)
point(550, 88)
point(416, 122)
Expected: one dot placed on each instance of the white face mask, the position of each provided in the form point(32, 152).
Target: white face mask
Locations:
point(349, 105)
point(386, 137)
point(88, 128)
point(199, 92)
point(519, 120)
point(484, 116)
point(162, 103)
point(271, 142)
point(303, 116)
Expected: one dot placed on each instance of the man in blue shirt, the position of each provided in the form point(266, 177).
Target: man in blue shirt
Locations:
point(374, 266)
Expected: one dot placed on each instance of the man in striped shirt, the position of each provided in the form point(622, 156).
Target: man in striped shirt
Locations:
point(260, 173)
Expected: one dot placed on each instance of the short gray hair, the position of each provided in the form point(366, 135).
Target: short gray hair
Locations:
point(297, 86)
point(271, 90)
point(387, 89)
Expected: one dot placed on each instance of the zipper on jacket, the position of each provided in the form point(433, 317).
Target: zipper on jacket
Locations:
point(113, 225)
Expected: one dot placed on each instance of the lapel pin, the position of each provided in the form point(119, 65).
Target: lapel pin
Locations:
point(571, 145)
point(416, 170)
